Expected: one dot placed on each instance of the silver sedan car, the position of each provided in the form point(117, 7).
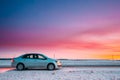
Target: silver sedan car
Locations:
point(35, 60)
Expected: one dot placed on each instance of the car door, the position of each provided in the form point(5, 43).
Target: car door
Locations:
point(41, 61)
point(29, 61)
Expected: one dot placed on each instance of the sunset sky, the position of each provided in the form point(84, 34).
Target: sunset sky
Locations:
point(73, 29)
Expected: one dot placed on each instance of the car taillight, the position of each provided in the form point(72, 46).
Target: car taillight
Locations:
point(12, 60)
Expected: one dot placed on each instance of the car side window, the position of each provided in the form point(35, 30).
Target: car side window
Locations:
point(31, 56)
point(41, 57)
point(28, 56)
point(35, 56)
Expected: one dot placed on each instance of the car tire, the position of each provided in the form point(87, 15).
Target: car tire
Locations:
point(51, 66)
point(20, 66)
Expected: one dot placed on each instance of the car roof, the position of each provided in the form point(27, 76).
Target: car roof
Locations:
point(32, 53)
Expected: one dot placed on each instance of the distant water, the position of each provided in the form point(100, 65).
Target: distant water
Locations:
point(5, 63)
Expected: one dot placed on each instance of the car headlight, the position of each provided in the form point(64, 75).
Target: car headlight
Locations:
point(58, 63)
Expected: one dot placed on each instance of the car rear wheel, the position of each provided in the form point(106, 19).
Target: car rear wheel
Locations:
point(51, 67)
point(20, 66)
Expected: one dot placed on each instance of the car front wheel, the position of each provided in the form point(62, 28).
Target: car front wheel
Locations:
point(51, 67)
point(20, 66)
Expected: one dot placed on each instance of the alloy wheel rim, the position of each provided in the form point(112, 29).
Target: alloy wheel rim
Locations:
point(20, 66)
point(51, 67)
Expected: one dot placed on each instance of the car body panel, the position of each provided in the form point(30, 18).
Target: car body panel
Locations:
point(35, 62)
